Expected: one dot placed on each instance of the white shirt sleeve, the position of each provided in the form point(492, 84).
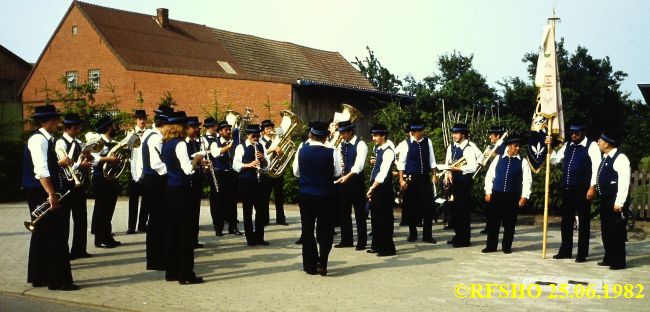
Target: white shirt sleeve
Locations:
point(37, 146)
point(558, 156)
point(136, 163)
point(527, 178)
point(489, 177)
point(360, 161)
point(448, 155)
point(237, 160)
point(622, 167)
point(337, 164)
point(267, 156)
point(402, 151)
point(432, 156)
point(296, 169)
point(183, 158)
point(470, 156)
point(155, 147)
point(596, 157)
point(384, 169)
point(214, 150)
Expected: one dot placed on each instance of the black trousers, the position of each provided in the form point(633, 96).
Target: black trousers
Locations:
point(154, 192)
point(418, 201)
point(316, 213)
point(574, 200)
point(254, 191)
point(76, 202)
point(503, 211)
point(106, 192)
point(196, 193)
point(613, 228)
point(461, 208)
point(276, 186)
point(223, 204)
point(382, 219)
point(136, 194)
point(180, 242)
point(49, 261)
point(352, 194)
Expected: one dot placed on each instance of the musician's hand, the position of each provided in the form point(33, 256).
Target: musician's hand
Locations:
point(369, 194)
point(254, 164)
point(488, 198)
point(342, 180)
point(65, 162)
point(548, 140)
point(85, 164)
point(522, 202)
point(591, 193)
point(259, 155)
point(373, 160)
point(111, 159)
point(54, 201)
point(434, 179)
point(618, 208)
point(199, 157)
point(402, 184)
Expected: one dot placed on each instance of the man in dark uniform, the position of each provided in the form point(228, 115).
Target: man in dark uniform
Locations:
point(250, 157)
point(581, 158)
point(136, 183)
point(417, 164)
point(316, 166)
point(507, 188)
point(49, 263)
point(106, 191)
point(380, 194)
point(496, 147)
point(612, 183)
point(460, 177)
point(222, 150)
point(352, 152)
point(273, 185)
point(69, 146)
point(155, 181)
point(196, 180)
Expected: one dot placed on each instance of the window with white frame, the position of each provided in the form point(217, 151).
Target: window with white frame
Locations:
point(74, 30)
point(71, 78)
point(93, 78)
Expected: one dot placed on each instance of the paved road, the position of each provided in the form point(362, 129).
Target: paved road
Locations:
point(421, 277)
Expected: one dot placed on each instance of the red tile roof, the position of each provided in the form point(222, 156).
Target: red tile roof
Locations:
point(140, 43)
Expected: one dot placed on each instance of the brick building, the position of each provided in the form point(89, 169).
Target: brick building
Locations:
point(152, 54)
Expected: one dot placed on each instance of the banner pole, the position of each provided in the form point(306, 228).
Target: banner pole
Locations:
point(547, 187)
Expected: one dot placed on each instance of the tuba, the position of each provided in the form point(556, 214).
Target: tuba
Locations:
point(233, 118)
point(121, 151)
point(283, 141)
point(40, 211)
point(349, 113)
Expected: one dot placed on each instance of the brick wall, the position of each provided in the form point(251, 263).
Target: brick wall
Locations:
point(85, 51)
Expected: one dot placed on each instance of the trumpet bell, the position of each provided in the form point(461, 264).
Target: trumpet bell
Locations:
point(29, 225)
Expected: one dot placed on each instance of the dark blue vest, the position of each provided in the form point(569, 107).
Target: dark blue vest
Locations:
point(29, 181)
point(267, 143)
point(98, 171)
point(457, 152)
point(417, 157)
point(146, 158)
point(607, 179)
point(508, 175)
point(67, 185)
point(577, 165)
point(379, 160)
point(316, 165)
point(348, 155)
point(175, 175)
point(249, 174)
point(224, 162)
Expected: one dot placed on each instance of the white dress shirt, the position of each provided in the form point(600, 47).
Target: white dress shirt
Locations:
point(61, 144)
point(337, 163)
point(104, 151)
point(403, 148)
point(526, 181)
point(594, 154)
point(37, 146)
point(362, 152)
point(215, 150)
point(469, 153)
point(183, 158)
point(237, 163)
point(387, 161)
point(622, 167)
point(155, 148)
point(136, 158)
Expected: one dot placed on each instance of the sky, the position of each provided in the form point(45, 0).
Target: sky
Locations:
point(406, 35)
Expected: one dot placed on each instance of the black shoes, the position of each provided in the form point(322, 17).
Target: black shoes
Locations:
point(112, 244)
point(342, 245)
point(487, 250)
point(129, 232)
point(75, 256)
point(561, 256)
point(412, 238)
point(322, 270)
point(617, 267)
point(66, 287)
point(251, 243)
point(581, 259)
point(450, 242)
point(196, 280)
point(299, 241)
point(235, 231)
point(199, 245)
point(371, 251)
point(311, 272)
point(360, 247)
point(461, 245)
point(385, 254)
point(429, 240)
point(603, 263)
point(262, 243)
point(484, 231)
point(39, 284)
point(507, 251)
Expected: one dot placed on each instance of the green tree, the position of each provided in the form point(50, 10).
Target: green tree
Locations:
point(379, 76)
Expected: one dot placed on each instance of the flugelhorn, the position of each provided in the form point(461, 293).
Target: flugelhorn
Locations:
point(41, 210)
point(68, 171)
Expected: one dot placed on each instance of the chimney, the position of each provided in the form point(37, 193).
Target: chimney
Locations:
point(162, 17)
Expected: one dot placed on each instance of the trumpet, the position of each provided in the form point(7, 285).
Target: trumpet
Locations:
point(210, 166)
point(41, 210)
point(68, 170)
point(457, 164)
point(259, 170)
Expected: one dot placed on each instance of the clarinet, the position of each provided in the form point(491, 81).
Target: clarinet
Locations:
point(259, 168)
point(209, 166)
